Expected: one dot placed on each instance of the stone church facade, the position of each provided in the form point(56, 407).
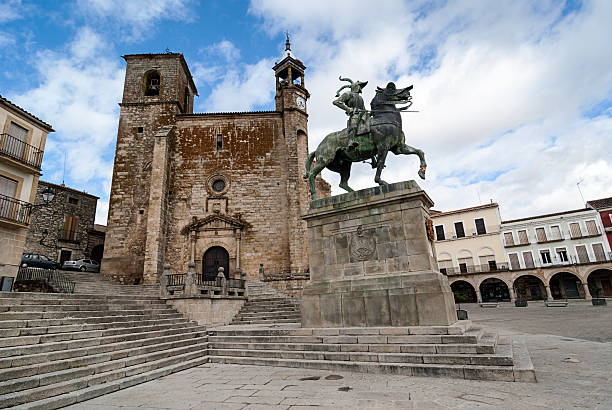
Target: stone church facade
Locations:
point(218, 189)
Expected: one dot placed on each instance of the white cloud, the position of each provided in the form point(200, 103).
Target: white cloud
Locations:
point(242, 87)
point(135, 17)
point(78, 94)
point(225, 49)
point(493, 85)
point(10, 10)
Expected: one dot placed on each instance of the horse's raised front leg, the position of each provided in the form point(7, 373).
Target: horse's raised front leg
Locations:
point(408, 150)
point(381, 158)
point(345, 173)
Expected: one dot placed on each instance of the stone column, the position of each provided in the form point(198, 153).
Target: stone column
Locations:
point(156, 224)
point(548, 294)
point(587, 292)
point(478, 297)
point(238, 249)
point(191, 281)
point(163, 286)
point(512, 293)
point(221, 277)
point(193, 236)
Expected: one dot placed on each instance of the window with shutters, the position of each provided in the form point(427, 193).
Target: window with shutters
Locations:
point(598, 251)
point(440, 232)
point(8, 190)
point(583, 255)
point(480, 226)
point(509, 238)
point(459, 231)
point(545, 256)
point(466, 265)
point(528, 258)
point(562, 254)
point(591, 228)
point(514, 261)
point(555, 233)
point(575, 230)
point(541, 234)
point(70, 226)
point(15, 146)
point(522, 235)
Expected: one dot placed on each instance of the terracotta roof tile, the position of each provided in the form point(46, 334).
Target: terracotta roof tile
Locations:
point(600, 203)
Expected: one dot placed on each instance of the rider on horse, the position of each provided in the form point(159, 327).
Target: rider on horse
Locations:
point(352, 103)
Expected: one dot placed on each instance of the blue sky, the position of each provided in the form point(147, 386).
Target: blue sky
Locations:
point(515, 100)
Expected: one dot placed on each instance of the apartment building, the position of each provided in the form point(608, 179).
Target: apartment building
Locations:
point(22, 143)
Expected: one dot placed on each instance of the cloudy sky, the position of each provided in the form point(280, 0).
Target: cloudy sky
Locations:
point(514, 97)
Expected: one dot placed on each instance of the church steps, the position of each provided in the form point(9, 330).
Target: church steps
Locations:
point(265, 321)
point(102, 335)
point(102, 320)
point(111, 386)
point(62, 382)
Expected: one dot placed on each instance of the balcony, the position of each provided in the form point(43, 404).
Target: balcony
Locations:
point(20, 152)
point(513, 245)
point(467, 269)
point(15, 211)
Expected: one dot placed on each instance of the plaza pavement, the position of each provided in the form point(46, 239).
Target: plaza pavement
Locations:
point(571, 349)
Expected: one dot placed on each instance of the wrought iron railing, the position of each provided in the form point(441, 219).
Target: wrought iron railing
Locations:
point(20, 151)
point(208, 280)
point(499, 267)
point(57, 280)
point(15, 210)
point(176, 279)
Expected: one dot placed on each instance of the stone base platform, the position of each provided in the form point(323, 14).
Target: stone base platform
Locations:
point(460, 350)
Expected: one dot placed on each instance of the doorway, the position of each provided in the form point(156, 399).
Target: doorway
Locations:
point(214, 258)
point(64, 256)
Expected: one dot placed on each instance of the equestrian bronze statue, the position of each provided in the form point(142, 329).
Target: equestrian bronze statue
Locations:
point(369, 135)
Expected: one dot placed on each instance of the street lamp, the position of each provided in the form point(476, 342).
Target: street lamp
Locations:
point(48, 195)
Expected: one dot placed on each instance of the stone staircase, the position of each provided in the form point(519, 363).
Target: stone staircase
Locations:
point(458, 351)
point(266, 305)
point(95, 283)
point(59, 349)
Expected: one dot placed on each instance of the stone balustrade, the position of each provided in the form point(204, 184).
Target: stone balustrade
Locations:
point(194, 285)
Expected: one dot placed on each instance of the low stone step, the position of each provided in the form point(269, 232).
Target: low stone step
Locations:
point(499, 373)
point(82, 307)
point(251, 316)
point(86, 360)
point(499, 359)
point(39, 295)
point(79, 383)
point(91, 349)
point(354, 347)
point(109, 387)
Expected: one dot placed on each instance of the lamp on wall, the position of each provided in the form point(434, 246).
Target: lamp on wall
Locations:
point(48, 195)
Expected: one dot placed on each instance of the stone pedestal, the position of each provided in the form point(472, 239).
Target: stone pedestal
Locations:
point(372, 263)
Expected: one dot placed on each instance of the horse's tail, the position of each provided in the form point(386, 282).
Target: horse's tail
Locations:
point(309, 160)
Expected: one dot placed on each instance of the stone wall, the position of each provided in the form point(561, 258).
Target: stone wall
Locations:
point(206, 311)
point(11, 246)
point(51, 217)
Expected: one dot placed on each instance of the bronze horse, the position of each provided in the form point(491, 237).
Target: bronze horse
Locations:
point(385, 135)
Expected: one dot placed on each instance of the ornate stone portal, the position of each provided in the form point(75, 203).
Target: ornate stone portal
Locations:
point(372, 262)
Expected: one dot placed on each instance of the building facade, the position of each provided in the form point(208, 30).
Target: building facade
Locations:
point(61, 229)
point(22, 143)
point(563, 255)
point(216, 189)
point(604, 207)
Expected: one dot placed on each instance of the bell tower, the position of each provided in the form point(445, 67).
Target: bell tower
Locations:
point(291, 97)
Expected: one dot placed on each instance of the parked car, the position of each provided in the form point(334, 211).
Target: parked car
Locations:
point(35, 260)
point(83, 265)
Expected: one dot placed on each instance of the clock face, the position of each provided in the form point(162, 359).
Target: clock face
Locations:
point(300, 103)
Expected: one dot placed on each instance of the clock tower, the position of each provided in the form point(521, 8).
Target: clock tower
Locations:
point(291, 97)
